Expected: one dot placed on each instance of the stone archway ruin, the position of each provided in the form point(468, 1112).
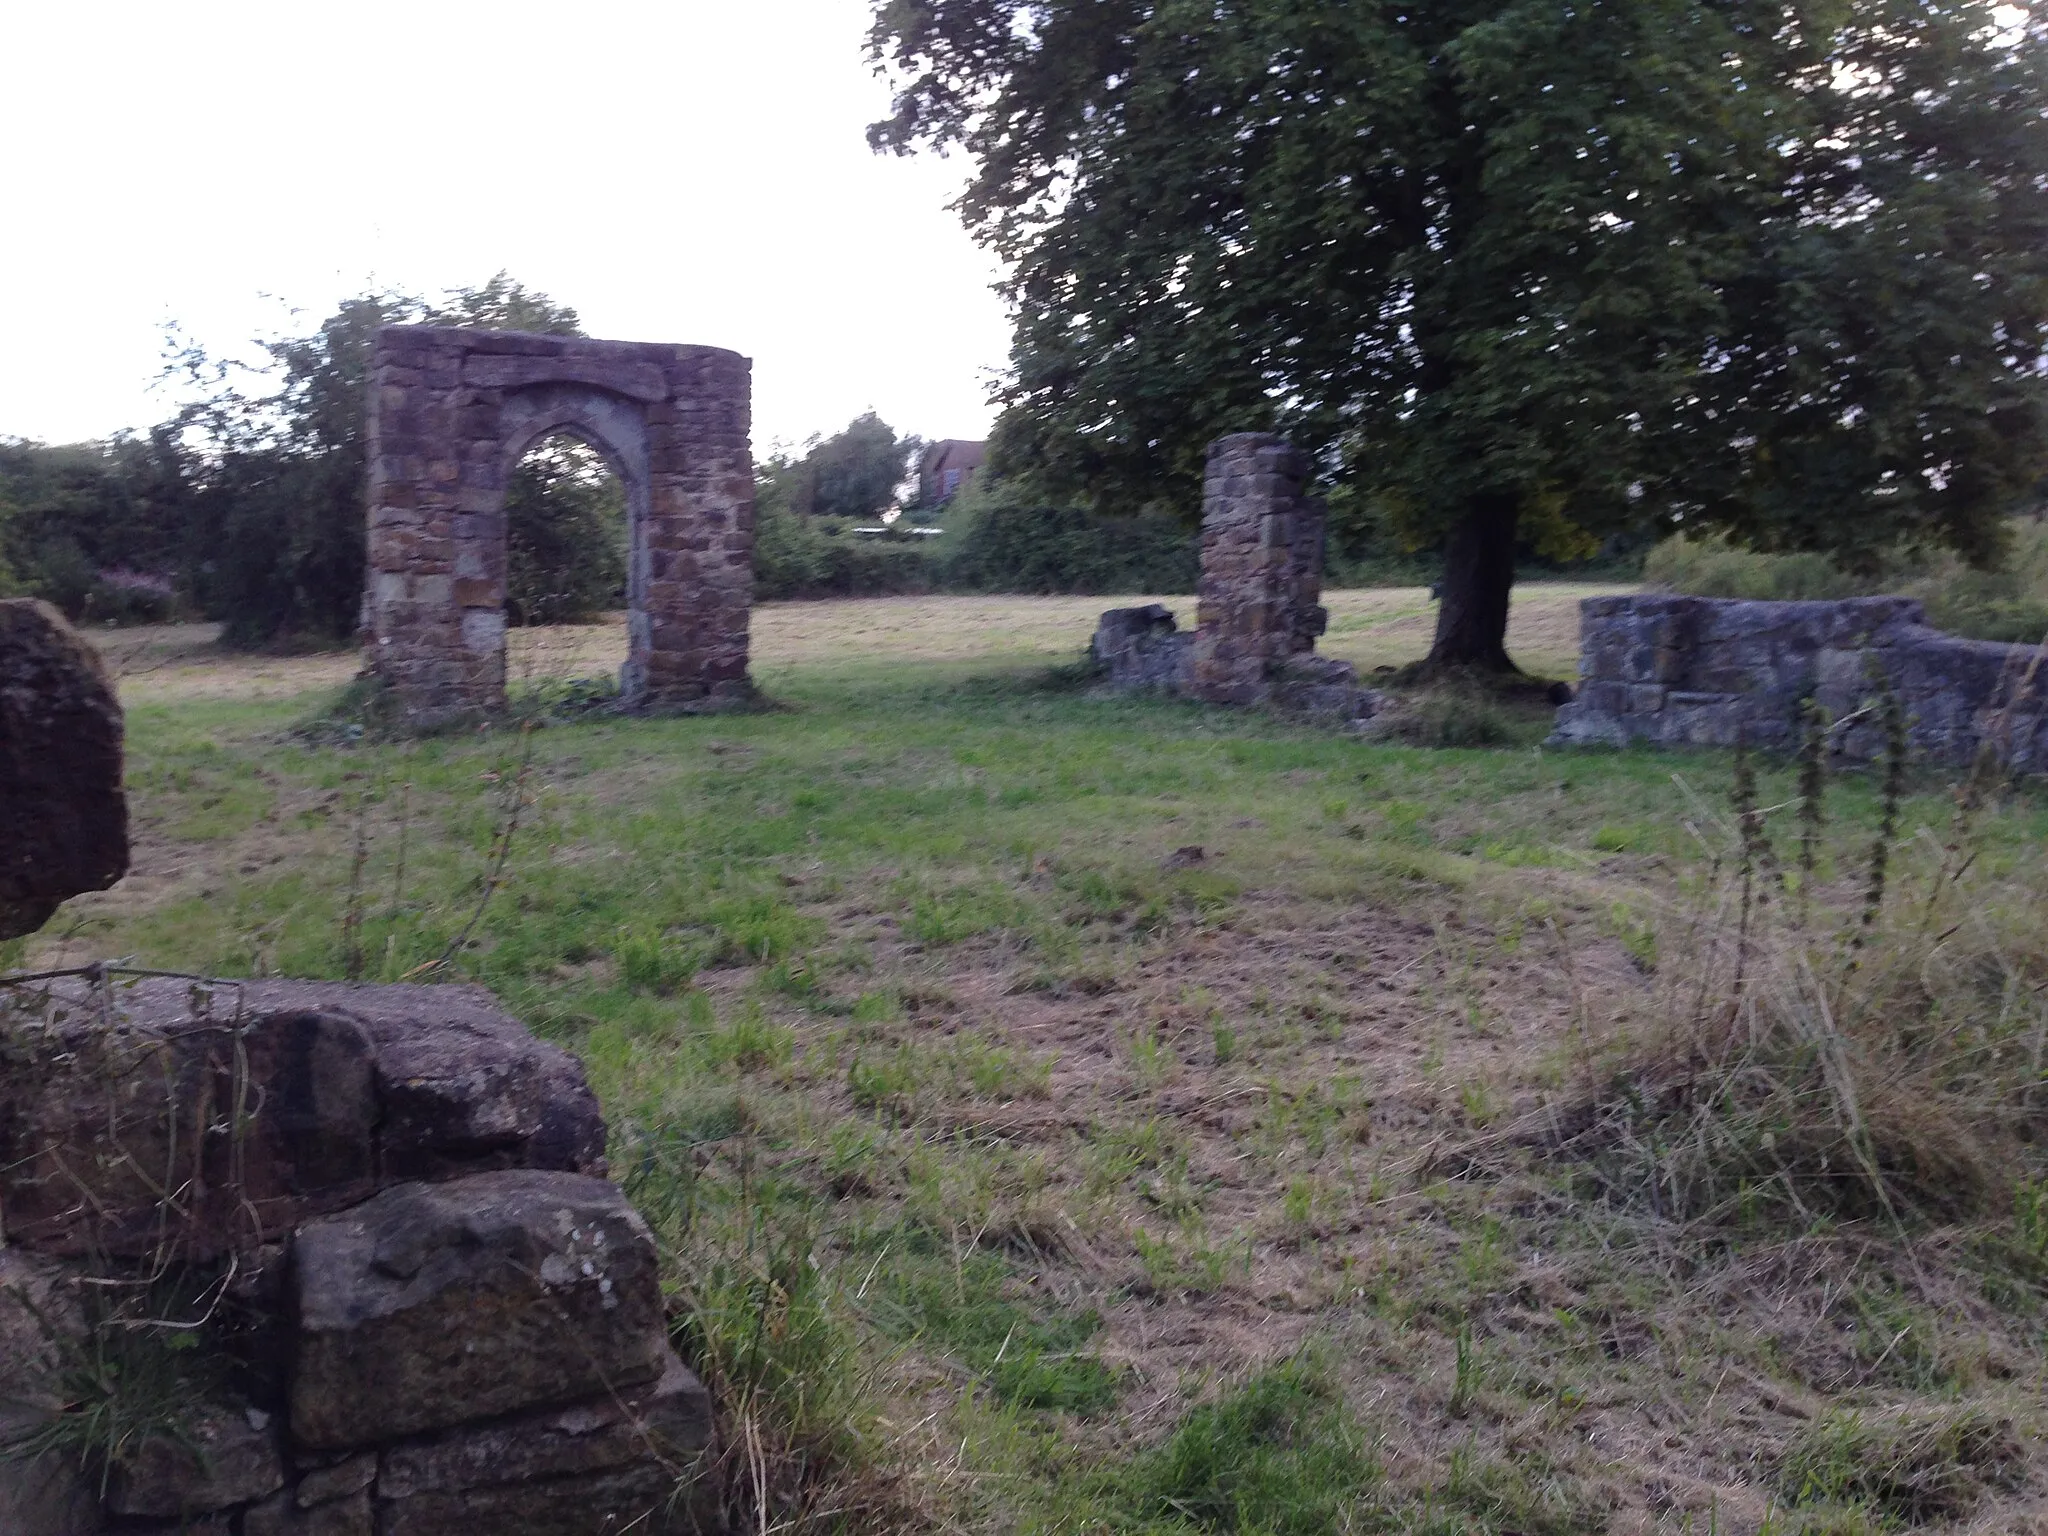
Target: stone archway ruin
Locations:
point(452, 411)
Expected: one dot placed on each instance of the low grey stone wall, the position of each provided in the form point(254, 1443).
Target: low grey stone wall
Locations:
point(1700, 671)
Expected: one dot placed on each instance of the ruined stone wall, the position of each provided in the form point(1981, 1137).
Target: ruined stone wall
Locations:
point(1699, 671)
point(418, 1304)
point(452, 411)
point(1258, 610)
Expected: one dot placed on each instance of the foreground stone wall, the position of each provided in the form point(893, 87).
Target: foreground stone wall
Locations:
point(1259, 607)
point(1701, 671)
point(451, 413)
point(63, 815)
point(429, 1311)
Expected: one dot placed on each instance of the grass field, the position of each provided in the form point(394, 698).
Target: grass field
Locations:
point(1080, 1114)
point(1381, 627)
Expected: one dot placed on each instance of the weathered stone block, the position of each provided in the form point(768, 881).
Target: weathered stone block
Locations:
point(643, 1500)
point(323, 1485)
point(219, 1455)
point(284, 1515)
point(343, 1089)
point(1746, 669)
point(433, 1305)
point(668, 1422)
point(63, 817)
point(1139, 647)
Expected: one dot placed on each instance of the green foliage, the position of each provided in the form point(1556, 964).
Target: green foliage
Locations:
point(797, 556)
point(505, 304)
point(98, 529)
point(998, 538)
point(2008, 601)
point(1278, 1456)
point(804, 506)
point(1542, 273)
point(1911, 1467)
point(278, 479)
point(1001, 538)
point(852, 474)
point(1032, 1354)
point(1711, 566)
point(1857, 1052)
point(128, 1377)
point(565, 535)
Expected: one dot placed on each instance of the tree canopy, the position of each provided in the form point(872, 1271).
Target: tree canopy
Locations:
point(279, 461)
point(853, 473)
point(1537, 270)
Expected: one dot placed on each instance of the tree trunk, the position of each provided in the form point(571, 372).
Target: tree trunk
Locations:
point(1479, 568)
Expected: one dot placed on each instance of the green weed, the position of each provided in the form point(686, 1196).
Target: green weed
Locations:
point(1278, 1456)
point(1031, 1354)
point(1912, 1467)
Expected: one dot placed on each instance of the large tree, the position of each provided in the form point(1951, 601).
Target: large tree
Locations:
point(853, 473)
point(1527, 271)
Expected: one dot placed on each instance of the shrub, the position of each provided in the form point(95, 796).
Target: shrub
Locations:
point(2009, 603)
point(1004, 541)
point(1712, 567)
point(797, 555)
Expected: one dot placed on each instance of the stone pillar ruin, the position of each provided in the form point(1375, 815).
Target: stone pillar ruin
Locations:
point(1259, 608)
point(1262, 569)
point(451, 412)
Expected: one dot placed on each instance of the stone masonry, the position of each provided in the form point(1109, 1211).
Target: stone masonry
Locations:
point(63, 815)
point(1262, 569)
point(451, 412)
point(1258, 612)
point(1700, 671)
point(427, 1310)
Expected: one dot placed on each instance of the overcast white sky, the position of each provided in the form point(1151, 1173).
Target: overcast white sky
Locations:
point(679, 170)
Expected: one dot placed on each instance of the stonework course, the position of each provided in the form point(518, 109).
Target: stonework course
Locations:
point(443, 1316)
point(451, 413)
point(1258, 611)
point(63, 816)
point(1704, 671)
point(346, 1090)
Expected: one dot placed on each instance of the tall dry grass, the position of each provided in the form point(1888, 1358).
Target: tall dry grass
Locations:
point(1870, 1047)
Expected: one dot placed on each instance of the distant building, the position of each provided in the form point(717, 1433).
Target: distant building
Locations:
point(946, 469)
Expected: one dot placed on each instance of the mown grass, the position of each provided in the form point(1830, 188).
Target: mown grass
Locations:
point(1068, 1114)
